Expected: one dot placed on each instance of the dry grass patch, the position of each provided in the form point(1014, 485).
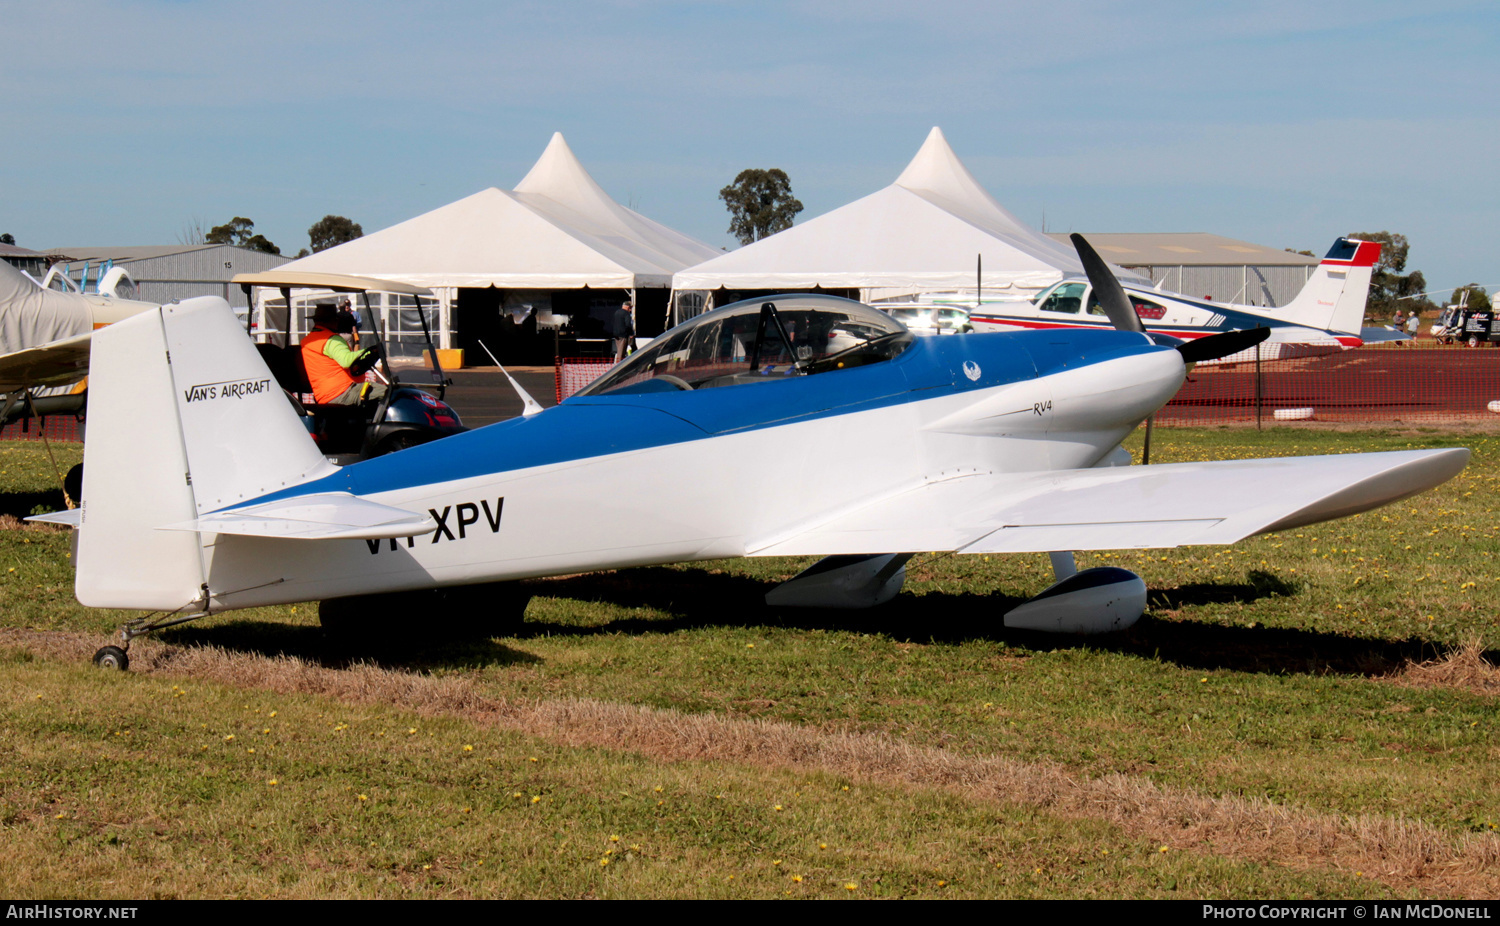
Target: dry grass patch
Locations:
point(1463, 668)
point(1404, 854)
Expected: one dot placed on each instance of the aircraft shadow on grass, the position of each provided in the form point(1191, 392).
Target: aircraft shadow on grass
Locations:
point(21, 504)
point(696, 598)
point(312, 644)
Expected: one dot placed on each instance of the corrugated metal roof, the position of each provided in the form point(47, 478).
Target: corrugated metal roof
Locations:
point(15, 250)
point(142, 252)
point(1188, 249)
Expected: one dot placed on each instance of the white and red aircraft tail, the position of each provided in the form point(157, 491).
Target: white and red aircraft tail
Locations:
point(1334, 296)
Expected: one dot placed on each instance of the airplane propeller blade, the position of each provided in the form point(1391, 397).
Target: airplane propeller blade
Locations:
point(1107, 289)
point(1222, 345)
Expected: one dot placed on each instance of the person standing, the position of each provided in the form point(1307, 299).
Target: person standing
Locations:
point(623, 329)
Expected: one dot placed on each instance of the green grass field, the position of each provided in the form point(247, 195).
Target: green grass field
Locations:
point(1308, 714)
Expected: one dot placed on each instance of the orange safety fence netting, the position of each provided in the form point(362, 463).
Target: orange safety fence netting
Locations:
point(573, 373)
point(56, 427)
point(1423, 381)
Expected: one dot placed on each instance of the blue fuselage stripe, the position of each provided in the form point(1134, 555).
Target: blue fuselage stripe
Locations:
point(592, 426)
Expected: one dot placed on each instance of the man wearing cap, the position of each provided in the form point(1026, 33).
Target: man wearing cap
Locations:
point(623, 329)
point(334, 369)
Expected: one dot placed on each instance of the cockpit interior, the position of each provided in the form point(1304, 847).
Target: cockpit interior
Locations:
point(757, 341)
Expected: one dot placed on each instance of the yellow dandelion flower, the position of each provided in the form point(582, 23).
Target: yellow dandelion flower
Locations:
point(749, 646)
point(426, 867)
point(796, 879)
point(942, 883)
point(518, 794)
point(411, 730)
point(658, 789)
point(273, 713)
point(531, 758)
point(778, 806)
point(603, 862)
point(822, 845)
point(273, 782)
point(364, 797)
point(614, 838)
point(851, 886)
point(1163, 848)
point(776, 862)
point(536, 798)
point(468, 748)
point(229, 738)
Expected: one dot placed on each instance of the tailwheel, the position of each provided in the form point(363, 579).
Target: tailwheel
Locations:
point(112, 657)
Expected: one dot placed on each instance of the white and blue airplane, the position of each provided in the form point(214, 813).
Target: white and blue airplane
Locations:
point(794, 425)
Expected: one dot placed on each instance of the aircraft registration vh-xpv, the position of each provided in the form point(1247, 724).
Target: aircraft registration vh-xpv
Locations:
point(793, 425)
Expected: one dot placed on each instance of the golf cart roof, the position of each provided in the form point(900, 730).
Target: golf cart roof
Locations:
point(338, 282)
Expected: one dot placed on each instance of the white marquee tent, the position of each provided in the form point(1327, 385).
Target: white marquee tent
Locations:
point(557, 229)
point(923, 233)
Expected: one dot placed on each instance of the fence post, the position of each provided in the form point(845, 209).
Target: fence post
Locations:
point(1258, 392)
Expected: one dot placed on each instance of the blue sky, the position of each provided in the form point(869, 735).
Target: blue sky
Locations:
point(1282, 123)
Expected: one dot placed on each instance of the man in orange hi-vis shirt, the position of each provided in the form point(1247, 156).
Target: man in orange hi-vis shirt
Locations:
point(334, 369)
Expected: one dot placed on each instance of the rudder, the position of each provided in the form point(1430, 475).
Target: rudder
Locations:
point(184, 418)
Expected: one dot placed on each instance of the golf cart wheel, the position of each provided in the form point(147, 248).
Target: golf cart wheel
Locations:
point(112, 657)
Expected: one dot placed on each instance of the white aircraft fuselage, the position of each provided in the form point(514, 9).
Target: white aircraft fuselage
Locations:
point(838, 434)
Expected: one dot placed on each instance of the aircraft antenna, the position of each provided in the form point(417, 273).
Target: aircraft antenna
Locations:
point(530, 406)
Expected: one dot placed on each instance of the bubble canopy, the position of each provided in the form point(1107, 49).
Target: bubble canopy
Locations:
point(758, 341)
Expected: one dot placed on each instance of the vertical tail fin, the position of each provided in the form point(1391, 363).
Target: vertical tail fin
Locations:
point(1334, 296)
point(184, 418)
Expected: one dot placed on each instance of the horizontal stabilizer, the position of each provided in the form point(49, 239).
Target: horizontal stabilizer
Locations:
point(331, 516)
point(73, 517)
point(1125, 507)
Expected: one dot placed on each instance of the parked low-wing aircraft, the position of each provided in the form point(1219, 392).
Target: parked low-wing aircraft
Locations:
point(792, 425)
point(44, 343)
point(1326, 316)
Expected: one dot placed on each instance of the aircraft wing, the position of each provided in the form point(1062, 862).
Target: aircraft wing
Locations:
point(1112, 508)
point(53, 364)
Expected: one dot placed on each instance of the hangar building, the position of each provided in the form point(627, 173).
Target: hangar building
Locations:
point(1200, 264)
point(172, 272)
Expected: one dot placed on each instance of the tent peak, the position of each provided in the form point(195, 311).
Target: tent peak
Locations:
point(936, 169)
point(559, 174)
